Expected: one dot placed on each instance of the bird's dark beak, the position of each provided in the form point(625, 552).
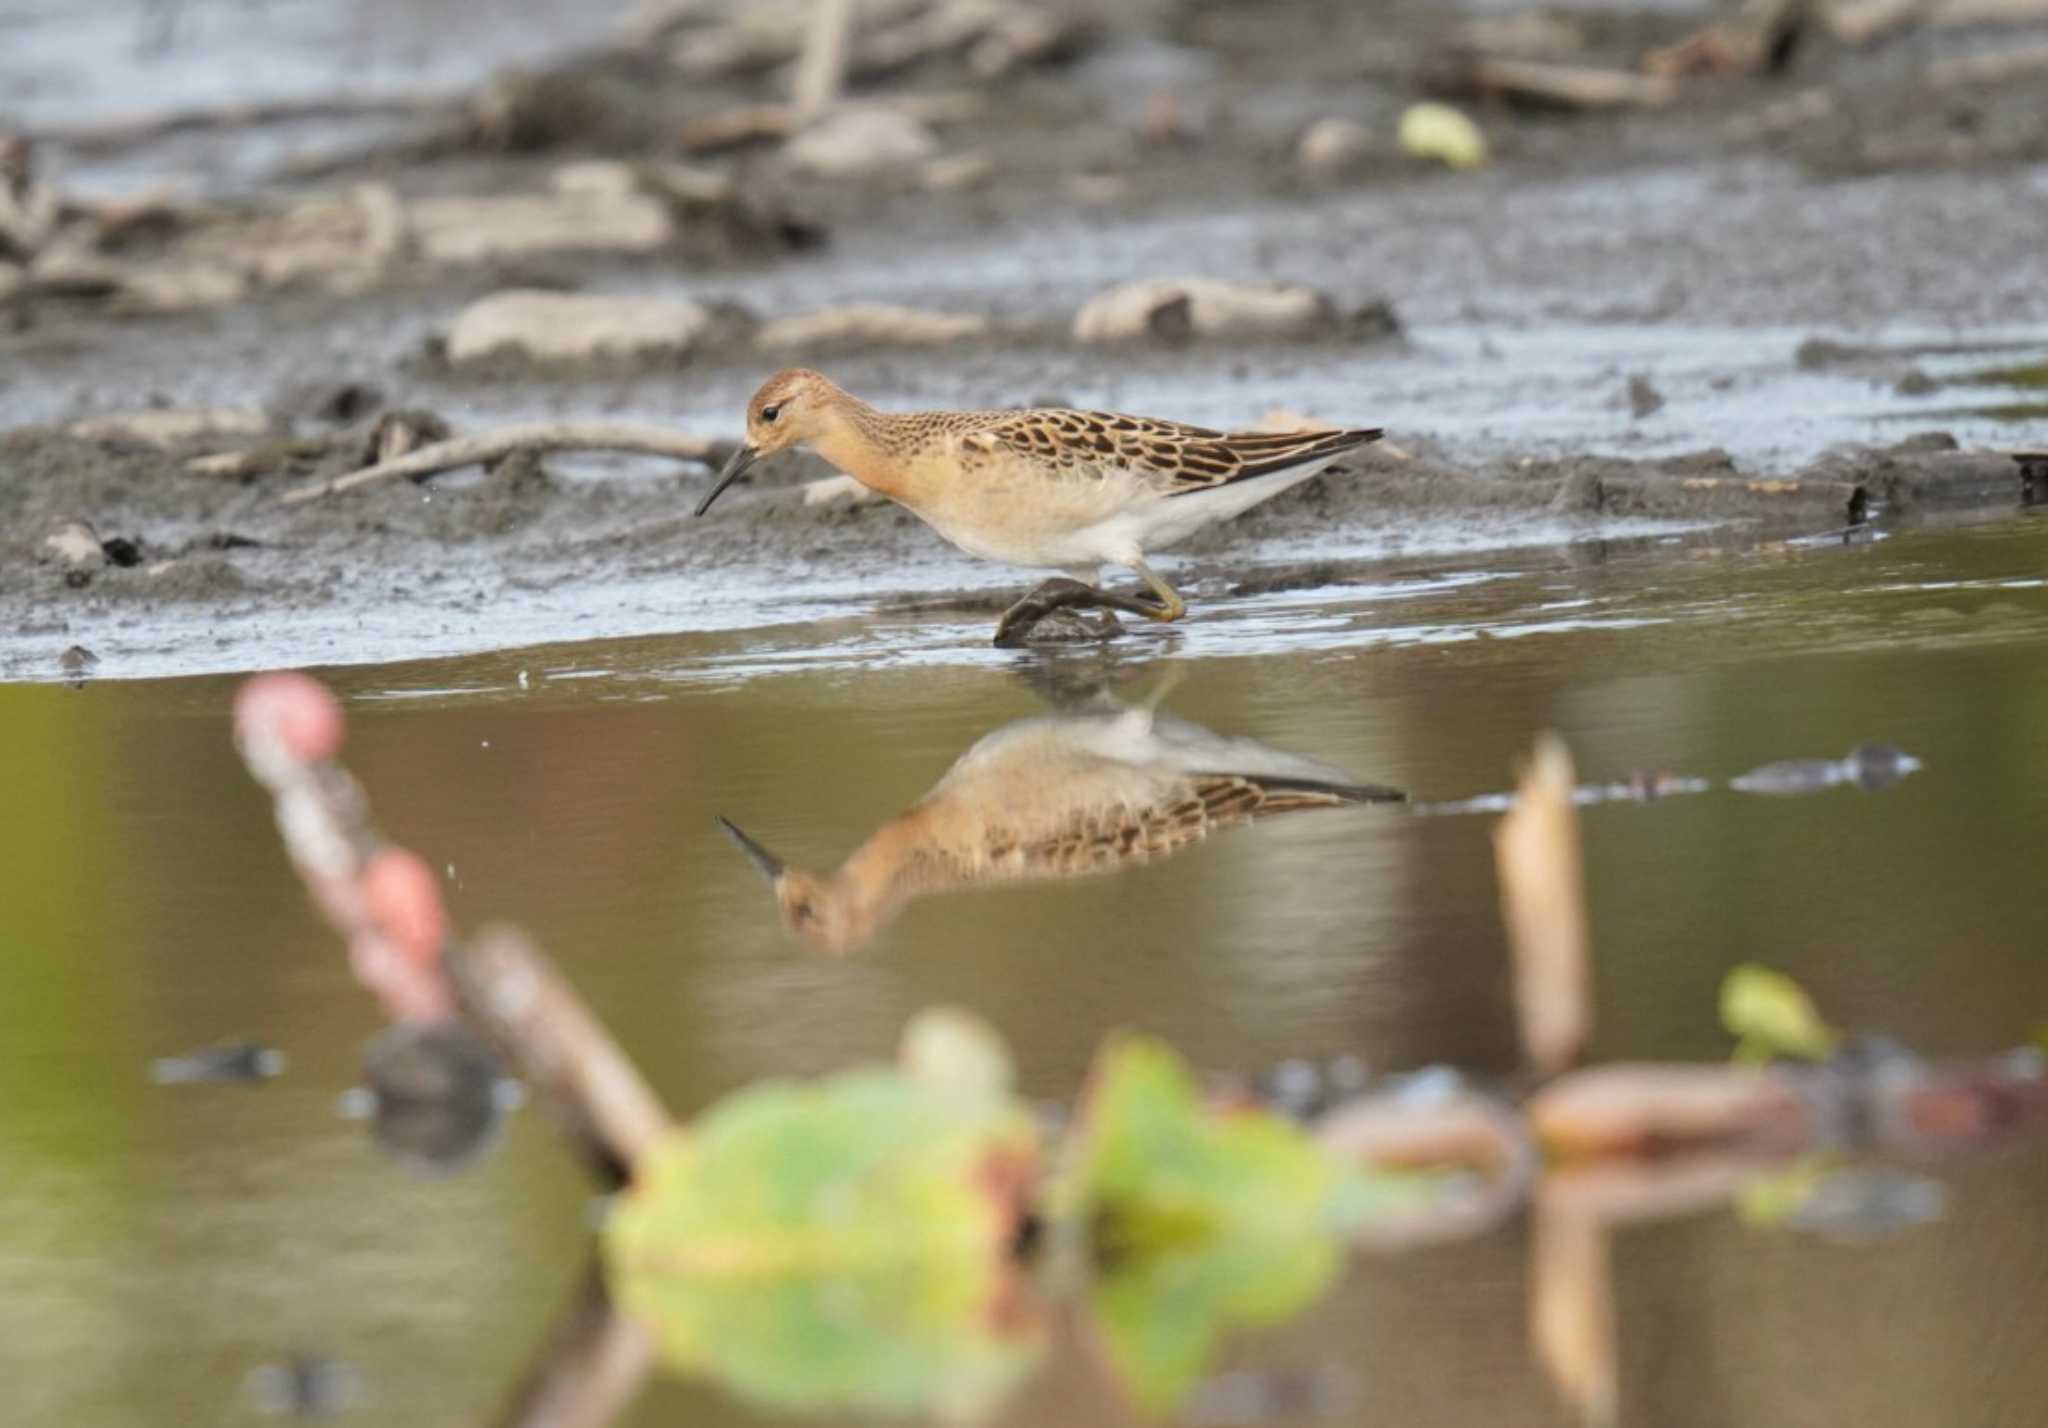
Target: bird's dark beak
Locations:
point(771, 866)
point(735, 468)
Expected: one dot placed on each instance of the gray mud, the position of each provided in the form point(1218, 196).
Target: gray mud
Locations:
point(1760, 306)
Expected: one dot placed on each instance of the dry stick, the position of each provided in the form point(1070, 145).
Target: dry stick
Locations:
point(1988, 69)
point(1858, 21)
point(821, 68)
point(1571, 86)
point(109, 135)
point(256, 460)
point(755, 123)
point(496, 445)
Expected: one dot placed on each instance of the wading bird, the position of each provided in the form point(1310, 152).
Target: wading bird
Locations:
point(1048, 488)
point(1054, 796)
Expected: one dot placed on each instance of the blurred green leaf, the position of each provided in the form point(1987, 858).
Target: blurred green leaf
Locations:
point(1201, 1220)
point(1822, 1194)
point(842, 1245)
point(1768, 1201)
point(1770, 1016)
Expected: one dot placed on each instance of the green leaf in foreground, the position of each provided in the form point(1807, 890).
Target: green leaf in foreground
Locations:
point(1770, 1016)
point(843, 1245)
point(1201, 1220)
point(1822, 1194)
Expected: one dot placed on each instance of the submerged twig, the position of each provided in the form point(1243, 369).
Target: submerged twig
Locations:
point(496, 445)
point(387, 904)
point(1571, 1309)
point(1543, 903)
point(592, 1366)
point(586, 1084)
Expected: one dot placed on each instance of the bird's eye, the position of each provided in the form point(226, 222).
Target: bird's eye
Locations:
point(768, 414)
point(801, 911)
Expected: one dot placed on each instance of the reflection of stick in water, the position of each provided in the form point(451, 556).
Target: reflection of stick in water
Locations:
point(387, 904)
point(592, 1366)
point(1056, 796)
point(1543, 903)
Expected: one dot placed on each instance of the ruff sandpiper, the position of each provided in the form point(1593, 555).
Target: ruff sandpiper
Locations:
point(1059, 795)
point(1047, 488)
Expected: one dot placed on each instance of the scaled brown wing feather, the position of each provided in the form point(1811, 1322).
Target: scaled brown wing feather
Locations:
point(1206, 464)
point(1194, 458)
point(1101, 838)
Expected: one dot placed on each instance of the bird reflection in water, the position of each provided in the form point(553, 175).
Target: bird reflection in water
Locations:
point(1091, 788)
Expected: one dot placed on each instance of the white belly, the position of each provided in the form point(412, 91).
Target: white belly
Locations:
point(1143, 521)
point(1166, 521)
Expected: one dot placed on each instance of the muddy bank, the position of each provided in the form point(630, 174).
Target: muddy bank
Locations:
point(152, 566)
point(1737, 305)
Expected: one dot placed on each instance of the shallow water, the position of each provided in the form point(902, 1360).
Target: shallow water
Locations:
point(163, 1240)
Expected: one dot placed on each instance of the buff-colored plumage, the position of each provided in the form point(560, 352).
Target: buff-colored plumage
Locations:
point(1051, 488)
point(1057, 796)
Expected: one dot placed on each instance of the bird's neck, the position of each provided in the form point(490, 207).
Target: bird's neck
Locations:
point(867, 445)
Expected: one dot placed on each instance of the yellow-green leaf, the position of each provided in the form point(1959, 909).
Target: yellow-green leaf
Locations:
point(1200, 1220)
point(1770, 1016)
point(843, 1245)
point(1437, 131)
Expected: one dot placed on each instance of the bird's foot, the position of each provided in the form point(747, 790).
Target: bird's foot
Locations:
point(1053, 614)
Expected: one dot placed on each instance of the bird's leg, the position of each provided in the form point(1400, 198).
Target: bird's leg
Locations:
point(1063, 592)
point(1170, 607)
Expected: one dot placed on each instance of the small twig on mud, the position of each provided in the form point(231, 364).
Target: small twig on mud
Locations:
point(1564, 85)
point(257, 460)
point(821, 67)
point(1998, 67)
point(756, 123)
point(496, 445)
point(109, 135)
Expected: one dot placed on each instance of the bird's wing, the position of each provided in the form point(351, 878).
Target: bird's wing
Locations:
point(1182, 458)
point(1094, 839)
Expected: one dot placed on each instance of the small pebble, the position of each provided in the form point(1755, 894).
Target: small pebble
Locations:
point(1332, 145)
point(75, 543)
point(436, 1095)
point(1643, 398)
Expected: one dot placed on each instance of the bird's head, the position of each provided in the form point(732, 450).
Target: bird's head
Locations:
point(791, 408)
point(829, 917)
